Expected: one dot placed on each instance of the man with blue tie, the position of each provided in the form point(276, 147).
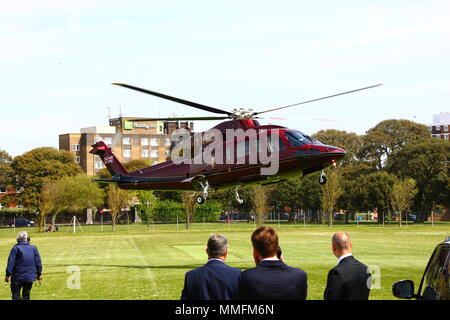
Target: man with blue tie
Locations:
point(215, 280)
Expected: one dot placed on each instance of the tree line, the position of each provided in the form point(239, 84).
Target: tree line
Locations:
point(394, 167)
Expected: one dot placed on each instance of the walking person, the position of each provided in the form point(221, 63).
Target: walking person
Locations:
point(24, 267)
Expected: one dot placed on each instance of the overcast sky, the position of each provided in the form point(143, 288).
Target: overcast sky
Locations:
point(59, 58)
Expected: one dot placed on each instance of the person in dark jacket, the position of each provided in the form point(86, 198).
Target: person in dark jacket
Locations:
point(215, 280)
point(24, 267)
point(349, 279)
point(272, 279)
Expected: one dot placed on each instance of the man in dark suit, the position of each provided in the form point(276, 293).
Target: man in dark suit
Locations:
point(215, 280)
point(271, 279)
point(349, 279)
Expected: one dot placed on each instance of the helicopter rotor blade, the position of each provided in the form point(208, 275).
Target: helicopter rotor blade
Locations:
point(186, 102)
point(303, 119)
point(334, 95)
point(177, 119)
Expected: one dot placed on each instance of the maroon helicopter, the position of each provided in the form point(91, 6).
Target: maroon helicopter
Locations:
point(258, 154)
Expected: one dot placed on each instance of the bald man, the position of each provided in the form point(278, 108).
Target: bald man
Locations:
point(349, 279)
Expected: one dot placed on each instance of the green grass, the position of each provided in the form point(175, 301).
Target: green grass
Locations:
point(137, 263)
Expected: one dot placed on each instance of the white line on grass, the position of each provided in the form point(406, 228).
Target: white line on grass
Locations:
point(147, 270)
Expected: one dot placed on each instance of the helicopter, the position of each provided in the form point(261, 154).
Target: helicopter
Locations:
point(238, 152)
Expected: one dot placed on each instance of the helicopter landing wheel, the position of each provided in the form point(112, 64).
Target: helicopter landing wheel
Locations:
point(200, 199)
point(322, 179)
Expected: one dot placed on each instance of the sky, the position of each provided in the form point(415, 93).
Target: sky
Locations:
point(59, 58)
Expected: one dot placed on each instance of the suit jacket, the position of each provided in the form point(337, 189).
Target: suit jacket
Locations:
point(213, 281)
point(348, 281)
point(272, 280)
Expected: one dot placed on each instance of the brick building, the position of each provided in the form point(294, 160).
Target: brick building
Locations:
point(129, 141)
point(439, 129)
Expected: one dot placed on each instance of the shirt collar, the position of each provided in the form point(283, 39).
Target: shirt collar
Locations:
point(343, 257)
point(270, 259)
point(215, 259)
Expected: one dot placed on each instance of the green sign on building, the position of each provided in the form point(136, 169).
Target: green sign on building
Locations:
point(128, 125)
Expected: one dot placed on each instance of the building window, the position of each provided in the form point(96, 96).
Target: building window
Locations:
point(77, 159)
point(108, 141)
point(99, 165)
point(446, 127)
point(446, 136)
point(144, 153)
point(154, 142)
point(168, 142)
point(430, 128)
point(154, 153)
point(126, 141)
point(75, 147)
point(127, 153)
point(144, 142)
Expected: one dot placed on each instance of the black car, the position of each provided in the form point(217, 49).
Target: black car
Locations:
point(435, 283)
point(21, 222)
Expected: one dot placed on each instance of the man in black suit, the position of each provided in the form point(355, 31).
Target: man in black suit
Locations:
point(215, 280)
point(349, 279)
point(271, 279)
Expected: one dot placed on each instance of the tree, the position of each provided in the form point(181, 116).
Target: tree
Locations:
point(133, 165)
point(259, 196)
point(68, 193)
point(403, 193)
point(6, 170)
point(331, 193)
point(389, 136)
point(427, 162)
point(350, 142)
point(117, 200)
point(146, 205)
point(189, 206)
point(375, 191)
point(34, 167)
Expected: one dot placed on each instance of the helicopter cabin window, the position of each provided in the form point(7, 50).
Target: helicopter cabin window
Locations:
point(271, 146)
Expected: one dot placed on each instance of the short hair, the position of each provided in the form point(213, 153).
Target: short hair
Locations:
point(341, 240)
point(217, 245)
point(22, 236)
point(265, 241)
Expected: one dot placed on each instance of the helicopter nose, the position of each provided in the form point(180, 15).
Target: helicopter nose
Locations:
point(336, 153)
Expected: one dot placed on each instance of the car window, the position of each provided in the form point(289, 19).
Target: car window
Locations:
point(436, 278)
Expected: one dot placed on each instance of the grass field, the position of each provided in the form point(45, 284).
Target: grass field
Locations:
point(137, 263)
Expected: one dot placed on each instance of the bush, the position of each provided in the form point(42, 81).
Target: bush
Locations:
point(167, 211)
point(210, 211)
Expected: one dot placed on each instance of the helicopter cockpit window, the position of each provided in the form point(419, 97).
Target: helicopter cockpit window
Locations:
point(297, 139)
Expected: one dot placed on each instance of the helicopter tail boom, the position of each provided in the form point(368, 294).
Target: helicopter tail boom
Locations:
point(109, 159)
